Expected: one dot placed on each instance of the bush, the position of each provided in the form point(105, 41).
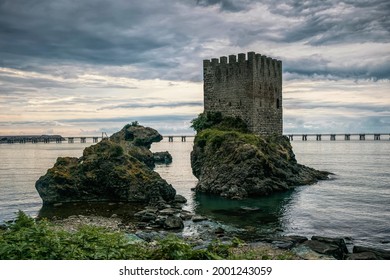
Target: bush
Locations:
point(216, 120)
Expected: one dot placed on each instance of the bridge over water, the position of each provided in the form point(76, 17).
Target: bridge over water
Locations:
point(183, 138)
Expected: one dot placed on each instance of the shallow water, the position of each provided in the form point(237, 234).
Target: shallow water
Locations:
point(355, 203)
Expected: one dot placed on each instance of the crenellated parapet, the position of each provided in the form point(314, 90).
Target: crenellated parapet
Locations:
point(247, 86)
point(266, 65)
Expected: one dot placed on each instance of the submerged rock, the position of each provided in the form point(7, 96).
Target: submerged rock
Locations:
point(236, 165)
point(115, 169)
point(162, 157)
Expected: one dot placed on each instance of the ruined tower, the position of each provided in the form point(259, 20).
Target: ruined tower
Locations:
point(248, 87)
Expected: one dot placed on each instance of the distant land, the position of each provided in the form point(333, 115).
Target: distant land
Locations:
point(30, 138)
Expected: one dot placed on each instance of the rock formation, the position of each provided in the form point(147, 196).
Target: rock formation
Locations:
point(116, 169)
point(233, 163)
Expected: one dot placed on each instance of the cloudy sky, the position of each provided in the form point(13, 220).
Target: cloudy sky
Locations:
point(75, 67)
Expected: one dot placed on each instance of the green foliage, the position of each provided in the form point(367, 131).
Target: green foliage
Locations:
point(216, 120)
point(134, 123)
point(27, 239)
point(215, 137)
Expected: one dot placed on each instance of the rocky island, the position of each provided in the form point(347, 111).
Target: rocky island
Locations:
point(119, 168)
point(232, 162)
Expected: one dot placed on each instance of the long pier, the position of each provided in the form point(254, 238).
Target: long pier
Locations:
point(339, 136)
point(183, 138)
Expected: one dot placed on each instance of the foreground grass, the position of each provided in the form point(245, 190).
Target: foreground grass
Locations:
point(27, 239)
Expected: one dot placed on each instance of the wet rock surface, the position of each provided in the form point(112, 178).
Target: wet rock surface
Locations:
point(152, 224)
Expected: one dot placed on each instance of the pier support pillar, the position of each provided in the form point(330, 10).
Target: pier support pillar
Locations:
point(332, 137)
point(347, 137)
point(83, 139)
point(318, 137)
point(377, 137)
point(95, 139)
point(183, 139)
point(70, 140)
point(362, 137)
point(170, 138)
point(58, 140)
point(291, 137)
point(304, 137)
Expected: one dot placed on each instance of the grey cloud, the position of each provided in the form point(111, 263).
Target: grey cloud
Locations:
point(333, 21)
point(153, 105)
point(168, 39)
point(293, 103)
point(226, 5)
point(338, 124)
point(318, 65)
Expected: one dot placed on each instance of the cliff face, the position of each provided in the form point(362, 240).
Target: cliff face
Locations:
point(116, 169)
point(236, 165)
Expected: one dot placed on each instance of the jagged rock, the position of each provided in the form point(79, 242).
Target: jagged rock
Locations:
point(173, 222)
point(115, 169)
point(362, 256)
point(306, 253)
point(339, 242)
point(327, 247)
point(236, 165)
point(380, 253)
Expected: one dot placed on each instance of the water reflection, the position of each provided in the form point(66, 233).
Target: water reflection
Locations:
point(257, 216)
point(125, 211)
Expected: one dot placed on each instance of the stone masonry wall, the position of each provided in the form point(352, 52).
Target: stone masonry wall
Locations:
point(248, 87)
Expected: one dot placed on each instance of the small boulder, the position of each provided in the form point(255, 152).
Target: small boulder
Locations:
point(173, 222)
point(198, 218)
point(179, 199)
point(380, 253)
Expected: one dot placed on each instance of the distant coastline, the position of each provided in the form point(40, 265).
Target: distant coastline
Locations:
point(30, 138)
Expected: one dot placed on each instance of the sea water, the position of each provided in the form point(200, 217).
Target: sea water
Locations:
point(354, 203)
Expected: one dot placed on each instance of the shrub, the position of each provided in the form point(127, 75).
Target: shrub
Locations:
point(216, 120)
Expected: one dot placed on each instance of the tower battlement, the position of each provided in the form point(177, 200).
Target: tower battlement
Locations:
point(246, 86)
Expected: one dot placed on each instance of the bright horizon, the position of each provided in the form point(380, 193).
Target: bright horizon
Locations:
point(80, 69)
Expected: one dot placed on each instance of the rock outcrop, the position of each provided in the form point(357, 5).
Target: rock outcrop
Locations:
point(115, 169)
point(237, 164)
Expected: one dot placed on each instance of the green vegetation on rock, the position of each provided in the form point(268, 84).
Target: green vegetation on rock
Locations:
point(233, 163)
point(115, 169)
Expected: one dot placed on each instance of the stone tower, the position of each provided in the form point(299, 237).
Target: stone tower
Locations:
point(248, 87)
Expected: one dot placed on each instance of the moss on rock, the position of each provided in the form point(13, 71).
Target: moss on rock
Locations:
point(235, 164)
point(115, 169)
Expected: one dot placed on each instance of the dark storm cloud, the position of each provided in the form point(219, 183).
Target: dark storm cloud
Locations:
point(168, 39)
point(333, 21)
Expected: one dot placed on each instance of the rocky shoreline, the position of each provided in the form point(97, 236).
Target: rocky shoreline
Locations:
point(228, 163)
point(157, 222)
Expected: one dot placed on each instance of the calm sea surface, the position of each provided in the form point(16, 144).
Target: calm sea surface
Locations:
point(355, 203)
